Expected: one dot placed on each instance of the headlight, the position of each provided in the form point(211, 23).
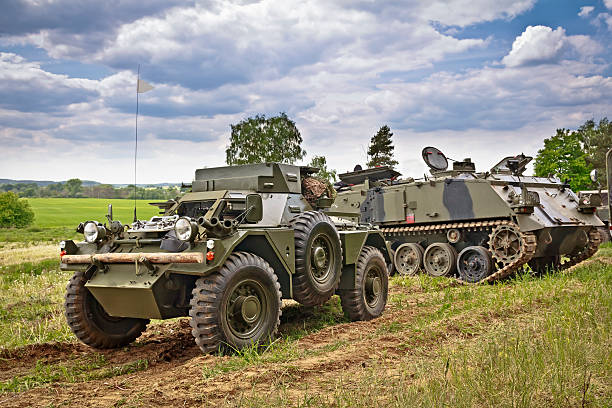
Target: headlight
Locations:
point(93, 232)
point(185, 229)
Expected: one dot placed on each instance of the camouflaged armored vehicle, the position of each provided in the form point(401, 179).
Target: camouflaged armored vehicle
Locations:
point(225, 253)
point(481, 226)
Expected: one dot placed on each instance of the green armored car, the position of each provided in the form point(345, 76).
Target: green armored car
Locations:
point(226, 253)
point(481, 226)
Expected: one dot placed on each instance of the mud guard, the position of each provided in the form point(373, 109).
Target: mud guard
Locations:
point(352, 244)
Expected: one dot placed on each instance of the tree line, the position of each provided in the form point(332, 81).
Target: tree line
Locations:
point(74, 188)
point(262, 139)
point(568, 155)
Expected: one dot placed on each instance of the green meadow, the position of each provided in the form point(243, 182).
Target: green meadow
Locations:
point(57, 218)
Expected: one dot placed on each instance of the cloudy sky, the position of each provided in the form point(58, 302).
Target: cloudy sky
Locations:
point(476, 78)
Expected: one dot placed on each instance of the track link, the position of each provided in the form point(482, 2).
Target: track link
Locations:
point(587, 252)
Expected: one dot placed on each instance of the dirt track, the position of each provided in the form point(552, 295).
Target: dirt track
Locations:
point(174, 374)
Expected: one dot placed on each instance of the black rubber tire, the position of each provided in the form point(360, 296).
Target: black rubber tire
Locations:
point(483, 264)
point(212, 295)
point(354, 301)
point(307, 227)
point(91, 324)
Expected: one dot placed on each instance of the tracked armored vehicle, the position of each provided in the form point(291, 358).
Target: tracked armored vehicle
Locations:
point(225, 254)
point(479, 226)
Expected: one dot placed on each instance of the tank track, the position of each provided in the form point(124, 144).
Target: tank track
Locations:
point(587, 252)
point(434, 228)
point(528, 248)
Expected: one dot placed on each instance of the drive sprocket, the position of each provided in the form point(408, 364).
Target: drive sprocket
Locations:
point(506, 244)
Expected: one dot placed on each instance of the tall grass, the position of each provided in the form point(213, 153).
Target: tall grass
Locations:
point(31, 304)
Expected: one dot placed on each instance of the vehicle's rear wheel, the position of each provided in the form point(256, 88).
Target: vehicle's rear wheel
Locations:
point(474, 264)
point(238, 306)
point(91, 324)
point(439, 259)
point(368, 299)
point(318, 258)
point(408, 258)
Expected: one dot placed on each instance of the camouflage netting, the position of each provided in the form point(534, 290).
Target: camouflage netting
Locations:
point(314, 188)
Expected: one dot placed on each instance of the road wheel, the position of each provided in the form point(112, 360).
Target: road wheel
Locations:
point(91, 324)
point(368, 299)
point(474, 264)
point(238, 306)
point(408, 258)
point(439, 259)
point(318, 258)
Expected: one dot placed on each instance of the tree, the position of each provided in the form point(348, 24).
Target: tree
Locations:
point(597, 141)
point(260, 140)
point(381, 148)
point(324, 173)
point(74, 187)
point(14, 212)
point(564, 156)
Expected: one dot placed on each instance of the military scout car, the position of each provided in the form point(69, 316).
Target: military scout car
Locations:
point(225, 253)
point(483, 225)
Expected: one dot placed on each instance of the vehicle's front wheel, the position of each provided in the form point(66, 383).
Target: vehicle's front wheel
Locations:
point(238, 306)
point(367, 301)
point(90, 322)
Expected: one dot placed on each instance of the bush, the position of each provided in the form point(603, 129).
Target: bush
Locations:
point(14, 212)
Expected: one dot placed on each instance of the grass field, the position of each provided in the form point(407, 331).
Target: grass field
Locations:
point(524, 342)
point(57, 218)
point(528, 341)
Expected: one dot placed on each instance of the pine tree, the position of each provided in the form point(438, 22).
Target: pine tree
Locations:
point(381, 149)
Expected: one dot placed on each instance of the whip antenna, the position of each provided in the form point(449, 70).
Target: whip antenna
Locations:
point(141, 87)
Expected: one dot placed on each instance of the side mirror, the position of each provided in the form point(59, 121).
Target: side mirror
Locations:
point(594, 175)
point(254, 207)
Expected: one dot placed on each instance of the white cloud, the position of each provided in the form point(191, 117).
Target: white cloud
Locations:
point(608, 4)
point(25, 86)
point(215, 42)
point(537, 44)
point(606, 18)
point(586, 10)
point(466, 12)
point(339, 69)
point(543, 45)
